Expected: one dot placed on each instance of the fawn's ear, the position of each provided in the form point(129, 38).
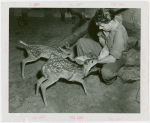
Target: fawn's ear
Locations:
point(67, 46)
point(63, 50)
point(78, 61)
point(86, 62)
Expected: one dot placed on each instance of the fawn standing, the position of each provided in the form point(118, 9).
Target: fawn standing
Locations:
point(58, 67)
point(35, 52)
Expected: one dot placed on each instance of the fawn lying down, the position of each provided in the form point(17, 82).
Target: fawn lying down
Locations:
point(35, 52)
point(58, 67)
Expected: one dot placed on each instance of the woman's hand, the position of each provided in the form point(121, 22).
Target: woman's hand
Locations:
point(107, 39)
point(107, 59)
point(104, 52)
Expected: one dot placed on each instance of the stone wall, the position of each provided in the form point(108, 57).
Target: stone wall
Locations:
point(131, 16)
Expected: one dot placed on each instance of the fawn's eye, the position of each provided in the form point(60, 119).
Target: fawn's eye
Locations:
point(85, 62)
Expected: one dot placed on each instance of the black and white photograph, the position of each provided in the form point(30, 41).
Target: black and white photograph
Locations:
point(74, 60)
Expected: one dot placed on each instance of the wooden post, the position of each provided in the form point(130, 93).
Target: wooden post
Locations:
point(72, 39)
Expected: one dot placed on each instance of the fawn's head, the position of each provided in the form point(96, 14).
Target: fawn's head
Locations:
point(81, 59)
point(88, 64)
point(68, 52)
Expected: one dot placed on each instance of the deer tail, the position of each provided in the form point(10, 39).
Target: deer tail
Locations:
point(23, 43)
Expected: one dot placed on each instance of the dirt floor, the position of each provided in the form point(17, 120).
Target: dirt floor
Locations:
point(62, 97)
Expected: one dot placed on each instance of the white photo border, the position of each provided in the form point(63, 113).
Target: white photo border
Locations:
point(60, 117)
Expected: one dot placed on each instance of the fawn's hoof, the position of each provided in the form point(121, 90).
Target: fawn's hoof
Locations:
point(46, 104)
point(86, 93)
point(23, 77)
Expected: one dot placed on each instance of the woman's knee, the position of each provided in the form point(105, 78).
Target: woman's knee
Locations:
point(107, 75)
point(81, 41)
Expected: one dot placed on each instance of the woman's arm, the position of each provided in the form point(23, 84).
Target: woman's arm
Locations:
point(107, 59)
point(102, 39)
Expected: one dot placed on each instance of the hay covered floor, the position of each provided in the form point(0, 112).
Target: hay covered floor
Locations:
point(62, 97)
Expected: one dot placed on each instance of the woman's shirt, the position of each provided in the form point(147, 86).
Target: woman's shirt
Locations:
point(120, 38)
point(120, 42)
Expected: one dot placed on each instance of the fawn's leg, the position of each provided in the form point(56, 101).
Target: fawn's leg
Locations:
point(83, 84)
point(26, 60)
point(38, 84)
point(75, 78)
point(46, 84)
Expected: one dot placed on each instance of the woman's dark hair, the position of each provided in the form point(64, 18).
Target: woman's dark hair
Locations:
point(104, 15)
